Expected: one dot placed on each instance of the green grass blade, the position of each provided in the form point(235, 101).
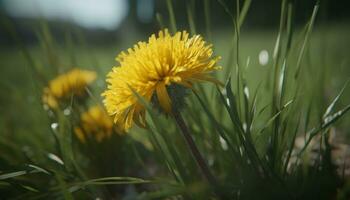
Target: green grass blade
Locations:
point(115, 180)
point(217, 126)
point(207, 18)
point(171, 16)
point(328, 121)
point(12, 175)
point(273, 118)
point(165, 143)
point(39, 169)
point(331, 106)
point(291, 147)
point(306, 39)
point(191, 16)
point(64, 188)
point(244, 11)
point(160, 20)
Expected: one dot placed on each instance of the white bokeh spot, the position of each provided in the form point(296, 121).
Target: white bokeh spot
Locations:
point(263, 57)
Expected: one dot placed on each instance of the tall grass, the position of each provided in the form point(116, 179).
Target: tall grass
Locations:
point(246, 131)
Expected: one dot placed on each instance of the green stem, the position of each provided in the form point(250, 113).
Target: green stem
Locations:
point(194, 150)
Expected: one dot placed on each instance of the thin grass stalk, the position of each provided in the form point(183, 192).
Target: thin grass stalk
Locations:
point(183, 171)
point(283, 77)
point(276, 77)
point(190, 16)
point(239, 77)
point(171, 16)
point(167, 162)
point(219, 128)
point(277, 53)
point(64, 188)
point(243, 12)
point(160, 20)
point(291, 147)
point(306, 39)
point(207, 18)
point(331, 119)
point(194, 150)
point(171, 157)
point(237, 12)
point(279, 126)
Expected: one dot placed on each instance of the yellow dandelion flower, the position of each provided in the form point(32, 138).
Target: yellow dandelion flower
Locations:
point(95, 123)
point(63, 86)
point(150, 68)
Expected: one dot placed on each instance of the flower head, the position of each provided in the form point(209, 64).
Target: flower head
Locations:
point(95, 123)
point(150, 68)
point(63, 86)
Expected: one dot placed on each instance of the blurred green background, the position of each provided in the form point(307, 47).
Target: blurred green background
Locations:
point(89, 34)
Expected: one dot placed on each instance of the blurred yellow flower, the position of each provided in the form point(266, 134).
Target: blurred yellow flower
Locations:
point(150, 67)
point(95, 123)
point(63, 86)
